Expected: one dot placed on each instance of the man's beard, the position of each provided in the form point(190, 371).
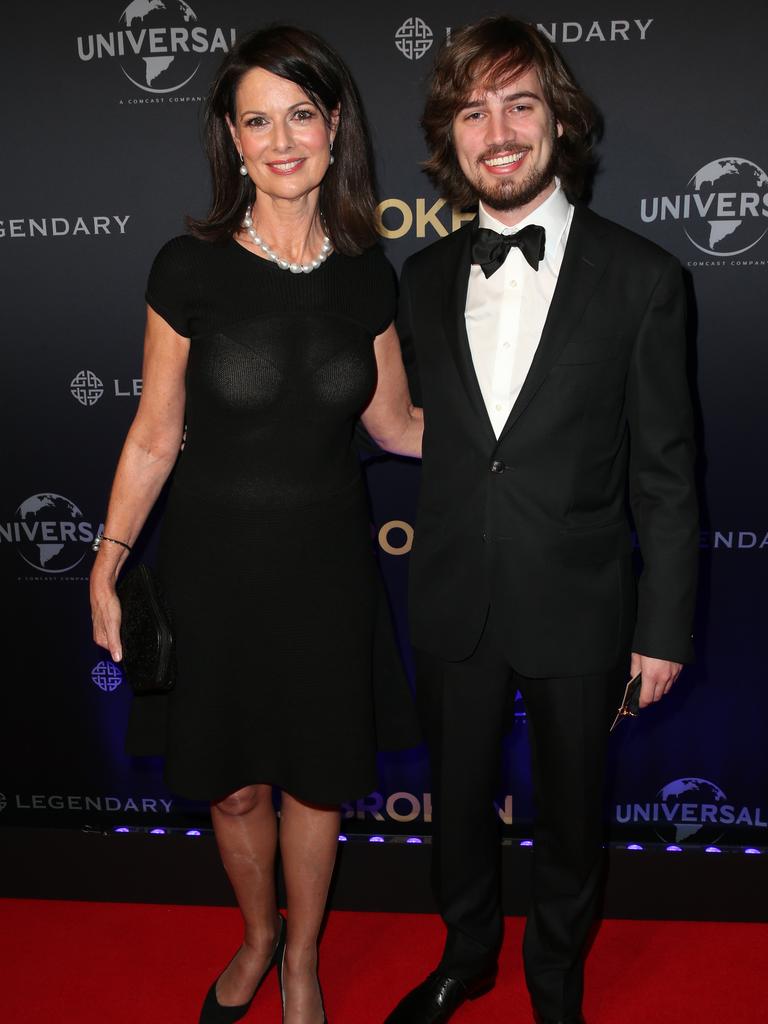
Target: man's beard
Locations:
point(508, 194)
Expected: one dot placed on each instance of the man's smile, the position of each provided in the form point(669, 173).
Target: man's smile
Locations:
point(505, 163)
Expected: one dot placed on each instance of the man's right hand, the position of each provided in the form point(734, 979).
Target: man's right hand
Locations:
point(658, 676)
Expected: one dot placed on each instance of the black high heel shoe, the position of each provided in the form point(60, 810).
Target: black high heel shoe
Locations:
point(214, 1013)
point(282, 993)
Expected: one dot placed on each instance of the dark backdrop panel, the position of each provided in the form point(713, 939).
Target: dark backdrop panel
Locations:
point(103, 160)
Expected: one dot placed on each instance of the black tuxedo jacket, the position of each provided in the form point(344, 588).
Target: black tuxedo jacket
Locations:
point(535, 522)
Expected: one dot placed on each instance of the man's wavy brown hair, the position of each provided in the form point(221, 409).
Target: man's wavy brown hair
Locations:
point(486, 55)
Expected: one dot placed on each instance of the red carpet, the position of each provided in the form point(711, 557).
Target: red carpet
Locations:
point(82, 963)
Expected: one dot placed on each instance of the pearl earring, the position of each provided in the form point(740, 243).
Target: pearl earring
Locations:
point(243, 168)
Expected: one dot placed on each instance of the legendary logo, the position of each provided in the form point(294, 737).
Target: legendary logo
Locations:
point(111, 804)
point(3, 802)
point(86, 387)
point(691, 808)
point(106, 675)
point(595, 31)
point(734, 540)
point(414, 38)
point(61, 227)
point(50, 532)
point(158, 45)
point(724, 210)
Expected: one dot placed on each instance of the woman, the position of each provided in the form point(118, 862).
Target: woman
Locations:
point(269, 333)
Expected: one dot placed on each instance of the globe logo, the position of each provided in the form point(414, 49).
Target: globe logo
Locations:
point(691, 807)
point(414, 38)
point(3, 802)
point(157, 72)
point(86, 387)
point(724, 211)
point(107, 676)
point(730, 209)
point(51, 533)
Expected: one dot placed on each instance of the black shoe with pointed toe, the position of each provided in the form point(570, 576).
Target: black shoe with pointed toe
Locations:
point(214, 1013)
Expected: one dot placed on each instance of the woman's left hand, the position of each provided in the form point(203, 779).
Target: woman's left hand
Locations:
point(392, 420)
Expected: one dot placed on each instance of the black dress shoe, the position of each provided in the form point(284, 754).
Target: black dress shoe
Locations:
point(438, 997)
point(214, 1013)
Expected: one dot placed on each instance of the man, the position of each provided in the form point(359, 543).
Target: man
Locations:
point(551, 369)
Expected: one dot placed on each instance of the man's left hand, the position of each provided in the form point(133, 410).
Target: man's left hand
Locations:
point(658, 676)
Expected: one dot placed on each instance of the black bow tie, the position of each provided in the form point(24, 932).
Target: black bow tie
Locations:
point(490, 249)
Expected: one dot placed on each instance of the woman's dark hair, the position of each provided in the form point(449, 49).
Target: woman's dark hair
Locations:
point(485, 55)
point(347, 199)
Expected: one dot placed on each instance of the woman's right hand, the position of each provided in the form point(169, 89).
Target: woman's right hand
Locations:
point(148, 456)
point(105, 613)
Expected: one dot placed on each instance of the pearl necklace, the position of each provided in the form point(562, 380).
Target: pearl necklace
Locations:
point(295, 268)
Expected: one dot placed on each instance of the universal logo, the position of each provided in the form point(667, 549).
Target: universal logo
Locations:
point(107, 676)
point(414, 38)
point(50, 533)
point(723, 210)
point(87, 388)
point(691, 809)
point(158, 45)
point(3, 802)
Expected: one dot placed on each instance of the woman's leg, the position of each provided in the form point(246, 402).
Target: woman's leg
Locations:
point(246, 831)
point(309, 838)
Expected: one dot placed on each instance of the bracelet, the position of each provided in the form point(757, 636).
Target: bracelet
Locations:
point(97, 543)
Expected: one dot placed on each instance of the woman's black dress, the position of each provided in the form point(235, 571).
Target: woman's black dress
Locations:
point(266, 555)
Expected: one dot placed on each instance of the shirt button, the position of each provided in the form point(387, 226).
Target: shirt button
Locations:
point(506, 344)
point(497, 407)
point(513, 284)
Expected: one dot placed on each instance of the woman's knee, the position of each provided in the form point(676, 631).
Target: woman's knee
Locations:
point(244, 800)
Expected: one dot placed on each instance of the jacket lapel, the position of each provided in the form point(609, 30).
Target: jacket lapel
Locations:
point(584, 262)
point(456, 282)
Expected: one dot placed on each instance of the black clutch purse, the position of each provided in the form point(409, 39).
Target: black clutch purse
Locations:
point(630, 705)
point(145, 633)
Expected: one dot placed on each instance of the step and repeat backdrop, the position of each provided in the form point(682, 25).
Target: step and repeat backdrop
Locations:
point(102, 159)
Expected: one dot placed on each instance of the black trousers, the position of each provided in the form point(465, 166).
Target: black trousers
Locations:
point(463, 705)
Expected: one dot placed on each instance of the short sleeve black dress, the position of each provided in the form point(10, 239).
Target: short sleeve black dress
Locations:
point(266, 556)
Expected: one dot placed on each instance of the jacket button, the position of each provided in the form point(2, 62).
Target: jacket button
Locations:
point(497, 467)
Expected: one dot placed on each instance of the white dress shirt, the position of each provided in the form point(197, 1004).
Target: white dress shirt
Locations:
point(505, 312)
